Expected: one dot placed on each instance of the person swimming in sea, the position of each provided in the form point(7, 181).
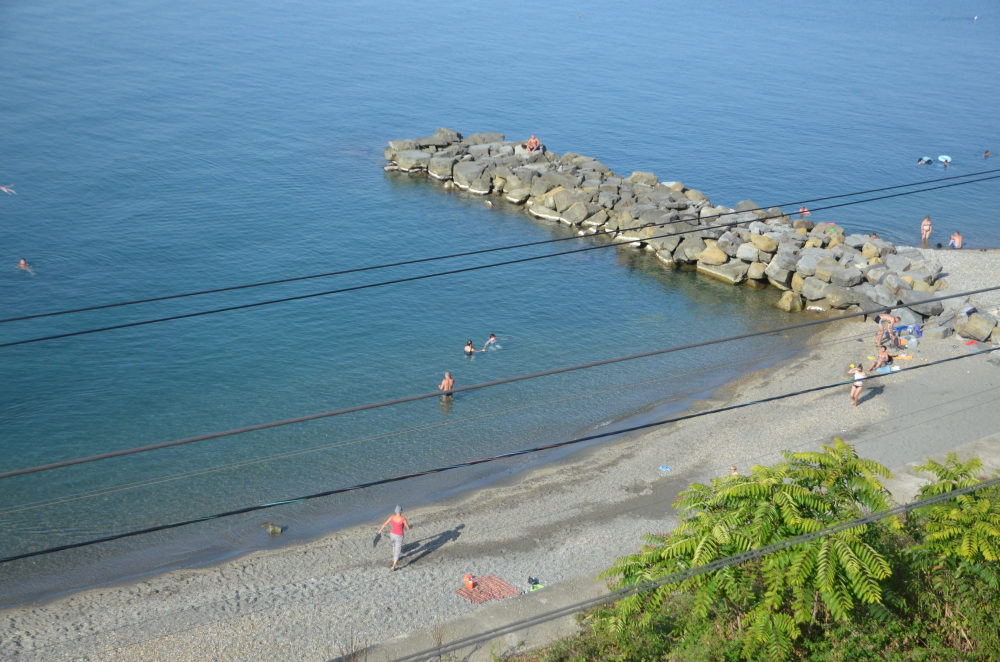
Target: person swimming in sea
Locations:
point(24, 266)
point(925, 160)
point(9, 189)
point(492, 342)
point(470, 350)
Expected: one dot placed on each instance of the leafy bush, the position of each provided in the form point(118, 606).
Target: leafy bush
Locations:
point(924, 588)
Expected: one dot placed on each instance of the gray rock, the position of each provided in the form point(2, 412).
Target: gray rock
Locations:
point(977, 326)
point(757, 270)
point(875, 274)
point(689, 249)
point(412, 160)
point(541, 186)
point(565, 199)
point(540, 211)
point(895, 283)
point(433, 141)
point(756, 227)
point(466, 172)
point(939, 332)
point(665, 244)
point(607, 200)
point(729, 243)
point(814, 289)
point(751, 206)
point(882, 296)
point(733, 273)
point(790, 302)
point(777, 274)
point(921, 274)
point(647, 178)
point(803, 223)
point(402, 145)
point(785, 260)
point(818, 253)
point(577, 213)
point(484, 138)
point(449, 134)
point(826, 267)
point(855, 241)
point(914, 299)
point(440, 168)
point(896, 263)
point(482, 186)
point(806, 266)
point(847, 278)
point(841, 297)
point(907, 317)
point(519, 196)
point(747, 252)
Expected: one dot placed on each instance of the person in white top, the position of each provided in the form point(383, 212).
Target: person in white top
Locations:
point(859, 382)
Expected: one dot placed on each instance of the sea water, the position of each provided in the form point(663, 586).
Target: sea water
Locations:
point(165, 147)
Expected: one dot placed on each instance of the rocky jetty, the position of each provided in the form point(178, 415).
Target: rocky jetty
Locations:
point(817, 266)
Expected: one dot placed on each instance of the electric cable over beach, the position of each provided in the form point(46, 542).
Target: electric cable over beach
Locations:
point(453, 255)
point(472, 387)
point(397, 281)
point(470, 463)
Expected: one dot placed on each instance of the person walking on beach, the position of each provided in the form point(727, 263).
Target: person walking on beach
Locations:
point(399, 523)
point(859, 382)
point(446, 385)
point(925, 229)
point(956, 240)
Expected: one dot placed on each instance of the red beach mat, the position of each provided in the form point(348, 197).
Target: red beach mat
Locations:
point(488, 588)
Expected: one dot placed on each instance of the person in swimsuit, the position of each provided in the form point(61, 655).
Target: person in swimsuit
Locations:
point(399, 523)
point(491, 341)
point(470, 350)
point(23, 265)
point(803, 212)
point(882, 358)
point(925, 229)
point(533, 144)
point(859, 383)
point(956, 240)
point(874, 234)
point(886, 323)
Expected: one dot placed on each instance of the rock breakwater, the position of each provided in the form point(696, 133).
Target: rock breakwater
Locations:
point(817, 266)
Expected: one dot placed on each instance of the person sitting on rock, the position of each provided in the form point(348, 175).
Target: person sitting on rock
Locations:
point(956, 240)
point(532, 145)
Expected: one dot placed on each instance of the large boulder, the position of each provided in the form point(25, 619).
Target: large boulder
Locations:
point(733, 273)
point(577, 213)
point(813, 288)
point(895, 282)
point(466, 172)
point(484, 138)
point(482, 186)
point(541, 186)
point(730, 243)
point(647, 178)
point(449, 134)
point(440, 168)
point(751, 206)
point(747, 252)
point(806, 266)
point(777, 274)
point(840, 297)
point(689, 249)
point(790, 302)
point(713, 256)
point(826, 267)
point(665, 244)
point(764, 243)
point(847, 277)
point(882, 296)
point(914, 300)
point(756, 271)
point(896, 263)
point(977, 326)
point(433, 141)
point(907, 317)
point(412, 160)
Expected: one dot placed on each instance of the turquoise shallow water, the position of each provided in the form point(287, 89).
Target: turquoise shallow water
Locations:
point(163, 147)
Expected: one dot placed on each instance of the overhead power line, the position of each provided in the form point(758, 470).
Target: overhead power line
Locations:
point(472, 387)
point(446, 257)
point(470, 463)
point(487, 636)
point(397, 281)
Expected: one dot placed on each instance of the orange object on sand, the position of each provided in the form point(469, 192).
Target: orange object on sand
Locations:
point(469, 584)
point(487, 588)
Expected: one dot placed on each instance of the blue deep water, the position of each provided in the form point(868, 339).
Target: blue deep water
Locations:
point(162, 147)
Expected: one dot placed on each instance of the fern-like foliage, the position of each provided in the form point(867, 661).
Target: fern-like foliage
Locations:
point(774, 596)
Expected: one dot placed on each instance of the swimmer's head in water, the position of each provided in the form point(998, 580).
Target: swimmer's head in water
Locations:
point(469, 342)
point(493, 335)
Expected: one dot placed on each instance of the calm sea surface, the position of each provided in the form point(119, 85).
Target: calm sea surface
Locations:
point(162, 147)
